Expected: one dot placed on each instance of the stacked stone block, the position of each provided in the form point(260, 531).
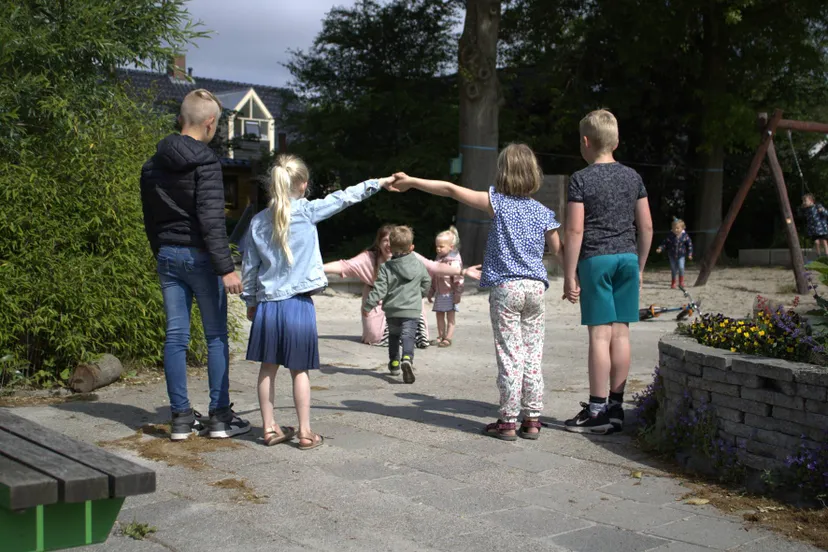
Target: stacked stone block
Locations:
point(766, 407)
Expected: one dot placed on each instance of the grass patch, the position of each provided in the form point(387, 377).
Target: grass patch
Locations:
point(153, 443)
point(137, 531)
point(243, 491)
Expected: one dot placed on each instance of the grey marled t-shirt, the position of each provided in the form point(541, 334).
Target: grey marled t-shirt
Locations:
point(609, 192)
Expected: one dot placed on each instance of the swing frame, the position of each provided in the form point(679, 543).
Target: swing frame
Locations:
point(766, 148)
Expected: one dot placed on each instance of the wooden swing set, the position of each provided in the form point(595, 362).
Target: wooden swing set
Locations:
point(766, 148)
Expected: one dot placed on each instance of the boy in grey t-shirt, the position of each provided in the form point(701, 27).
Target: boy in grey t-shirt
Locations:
point(603, 266)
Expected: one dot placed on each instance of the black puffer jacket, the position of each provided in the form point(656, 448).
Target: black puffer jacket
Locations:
point(182, 193)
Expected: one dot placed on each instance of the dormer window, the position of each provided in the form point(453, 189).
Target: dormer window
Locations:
point(251, 121)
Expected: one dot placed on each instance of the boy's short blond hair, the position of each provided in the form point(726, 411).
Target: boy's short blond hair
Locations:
point(198, 106)
point(601, 127)
point(518, 171)
point(401, 239)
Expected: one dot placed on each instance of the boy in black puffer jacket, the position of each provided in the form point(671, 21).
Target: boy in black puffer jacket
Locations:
point(182, 193)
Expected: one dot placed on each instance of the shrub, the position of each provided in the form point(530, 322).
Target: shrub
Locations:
point(77, 277)
point(776, 333)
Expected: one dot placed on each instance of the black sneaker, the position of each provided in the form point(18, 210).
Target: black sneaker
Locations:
point(615, 412)
point(585, 423)
point(224, 423)
point(394, 367)
point(185, 424)
point(407, 366)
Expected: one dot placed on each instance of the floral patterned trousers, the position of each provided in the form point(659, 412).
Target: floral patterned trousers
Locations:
point(517, 310)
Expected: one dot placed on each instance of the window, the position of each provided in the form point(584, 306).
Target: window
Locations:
point(252, 128)
point(231, 191)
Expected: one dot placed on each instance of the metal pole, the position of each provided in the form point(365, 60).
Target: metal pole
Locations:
point(718, 243)
point(797, 260)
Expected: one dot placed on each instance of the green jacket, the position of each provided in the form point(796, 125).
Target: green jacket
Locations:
point(401, 284)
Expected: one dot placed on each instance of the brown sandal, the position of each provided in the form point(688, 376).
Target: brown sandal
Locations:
point(271, 437)
point(444, 343)
point(315, 439)
point(498, 428)
point(528, 423)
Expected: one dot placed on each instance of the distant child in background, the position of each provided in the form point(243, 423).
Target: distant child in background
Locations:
point(401, 284)
point(446, 291)
point(679, 247)
point(816, 223)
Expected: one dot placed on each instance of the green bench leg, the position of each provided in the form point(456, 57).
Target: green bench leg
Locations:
point(58, 526)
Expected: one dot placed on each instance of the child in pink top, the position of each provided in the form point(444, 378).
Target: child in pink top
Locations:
point(365, 266)
point(446, 291)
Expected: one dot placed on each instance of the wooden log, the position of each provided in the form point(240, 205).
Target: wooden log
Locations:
point(804, 126)
point(797, 260)
point(96, 374)
point(715, 250)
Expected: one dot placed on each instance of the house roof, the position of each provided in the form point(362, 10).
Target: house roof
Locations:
point(165, 88)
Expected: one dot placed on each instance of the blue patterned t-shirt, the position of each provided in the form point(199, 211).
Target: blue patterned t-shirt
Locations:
point(514, 249)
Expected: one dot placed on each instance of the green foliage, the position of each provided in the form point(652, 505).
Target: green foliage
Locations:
point(374, 101)
point(77, 277)
point(138, 531)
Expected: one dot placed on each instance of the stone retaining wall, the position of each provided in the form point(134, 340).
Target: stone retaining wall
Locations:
point(763, 406)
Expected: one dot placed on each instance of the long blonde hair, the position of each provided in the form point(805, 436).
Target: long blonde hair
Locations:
point(288, 172)
point(453, 235)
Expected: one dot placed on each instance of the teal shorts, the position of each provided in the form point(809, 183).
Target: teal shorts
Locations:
point(609, 289)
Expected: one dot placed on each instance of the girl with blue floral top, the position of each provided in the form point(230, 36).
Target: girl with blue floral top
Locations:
point(281, 270)
point(513, 268)
point(679, 247)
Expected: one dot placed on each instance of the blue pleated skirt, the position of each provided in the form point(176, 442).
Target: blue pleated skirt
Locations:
point(284, 333)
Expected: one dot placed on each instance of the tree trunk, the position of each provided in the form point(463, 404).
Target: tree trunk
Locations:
point(479, 105)
point(93, 375)
point(714, 54)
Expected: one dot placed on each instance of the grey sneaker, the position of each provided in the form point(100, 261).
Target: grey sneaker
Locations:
point(185, 424)
point(407, 366)
point(394, 367)
point(224, 423)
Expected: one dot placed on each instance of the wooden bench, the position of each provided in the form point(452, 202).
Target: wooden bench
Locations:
point(56, 492)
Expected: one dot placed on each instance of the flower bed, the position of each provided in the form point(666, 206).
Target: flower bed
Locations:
point(740, 410)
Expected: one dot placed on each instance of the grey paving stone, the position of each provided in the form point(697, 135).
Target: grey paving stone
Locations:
point(493, 539)
point(535, 522)
point(415, 483)
point(562, 497)
point(468, 501)
point(775, 543)
point(635, 516)
point(366, 469)
point(649, 490)
point(681, 547)
point(119, 543)
point(602, 538)
point(535, 461)
point(707, 531)
point(482, 445)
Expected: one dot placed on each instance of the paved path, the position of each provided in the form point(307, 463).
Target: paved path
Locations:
point(404, 467)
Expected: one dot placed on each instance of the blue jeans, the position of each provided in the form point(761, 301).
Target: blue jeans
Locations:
point(184, 272)
point(677, 266)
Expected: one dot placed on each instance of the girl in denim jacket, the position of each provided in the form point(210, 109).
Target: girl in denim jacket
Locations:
point(282, 268)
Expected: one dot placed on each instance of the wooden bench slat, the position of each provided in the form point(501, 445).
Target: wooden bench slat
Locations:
point(76, 482)
point(22, 487)
point(125, 478)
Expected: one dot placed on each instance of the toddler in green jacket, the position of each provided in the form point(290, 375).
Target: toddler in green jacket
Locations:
point(401, 284)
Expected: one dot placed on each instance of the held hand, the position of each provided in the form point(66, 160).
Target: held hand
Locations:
point(474, 272)
point(690, 257)
point(386, 182)
point(251, 313)
point(232, 283)
point(365, 313)
point(572, 290)
point(658, 250)
point(401, 183)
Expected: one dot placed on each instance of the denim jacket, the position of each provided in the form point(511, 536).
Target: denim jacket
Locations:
point(266, 274)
